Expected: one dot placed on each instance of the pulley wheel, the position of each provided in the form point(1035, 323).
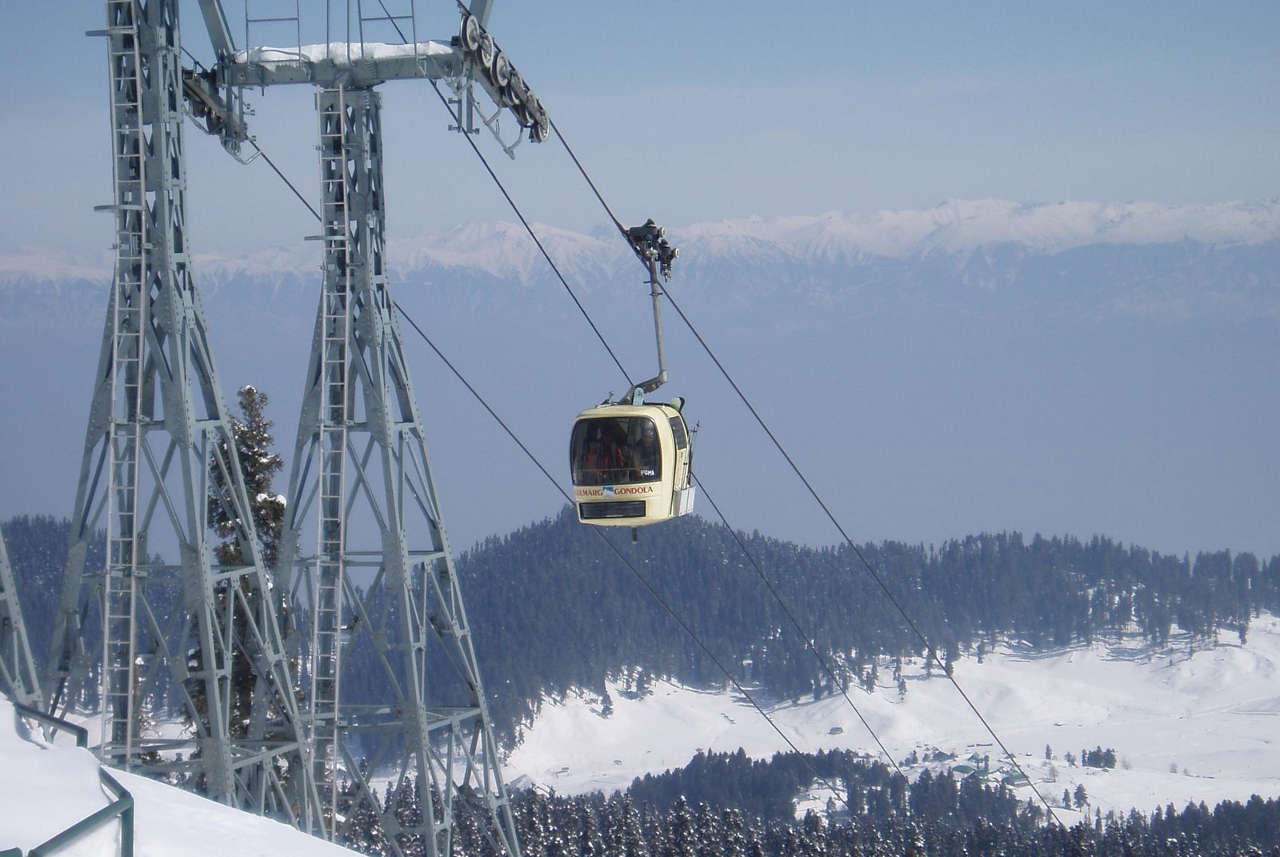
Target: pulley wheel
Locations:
point(486, 50)
point(501, 70)
point(536, 112)
point(514, 93)
point(470, 33)
point(523, 116)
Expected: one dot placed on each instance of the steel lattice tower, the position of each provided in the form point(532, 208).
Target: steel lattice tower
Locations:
point(17, 667)
point(365, 548)
point(362, 478)
point(160, 465)
point(159, 458)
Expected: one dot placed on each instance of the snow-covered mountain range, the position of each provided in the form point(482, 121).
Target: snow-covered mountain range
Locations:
point(1071, 367)
point(958, 227)
point(1080, 259)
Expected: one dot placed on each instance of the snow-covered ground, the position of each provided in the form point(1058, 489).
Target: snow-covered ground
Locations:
point(46, 787)
point(1199, 726)
point(1186, 726)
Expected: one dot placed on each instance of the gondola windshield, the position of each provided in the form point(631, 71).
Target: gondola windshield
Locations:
point(615, 451)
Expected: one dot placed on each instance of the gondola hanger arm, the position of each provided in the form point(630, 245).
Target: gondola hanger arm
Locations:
point(650, 244)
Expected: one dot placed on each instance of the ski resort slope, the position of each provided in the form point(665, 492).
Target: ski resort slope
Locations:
point(45, 788)
point(1186, 725)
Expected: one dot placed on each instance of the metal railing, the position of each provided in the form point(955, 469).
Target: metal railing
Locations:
point(122, 806)
point(55, 723)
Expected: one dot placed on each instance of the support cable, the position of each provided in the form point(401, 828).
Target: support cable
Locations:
point(623, 232)
point(644, 581)
point(457, 118)
point(795, 468)
point(583, 170)
point(861, 556)
point(511, 202)
point(311, 208)
point(657, 596)
point(786, 608)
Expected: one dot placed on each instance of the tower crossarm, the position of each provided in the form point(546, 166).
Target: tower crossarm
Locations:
point(351, 64)
point(472, 56)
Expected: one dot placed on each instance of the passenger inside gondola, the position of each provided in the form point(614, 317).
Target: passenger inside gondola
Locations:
point(616, 451)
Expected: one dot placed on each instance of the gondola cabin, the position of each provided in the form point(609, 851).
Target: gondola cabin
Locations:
point(630, 465)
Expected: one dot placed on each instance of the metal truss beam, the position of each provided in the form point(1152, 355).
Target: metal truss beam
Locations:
point(354, 64)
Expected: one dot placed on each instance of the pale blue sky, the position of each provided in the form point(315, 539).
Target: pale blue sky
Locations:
point(706, 110)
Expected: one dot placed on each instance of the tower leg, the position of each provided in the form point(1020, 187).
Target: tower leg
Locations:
point(17, 667)
point(386, 608)
point(165, 620)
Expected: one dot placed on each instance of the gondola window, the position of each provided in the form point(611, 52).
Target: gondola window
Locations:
point(615, 451)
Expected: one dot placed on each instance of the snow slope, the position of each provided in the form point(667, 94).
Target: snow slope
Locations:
point(1187, 726)
point(46, 787)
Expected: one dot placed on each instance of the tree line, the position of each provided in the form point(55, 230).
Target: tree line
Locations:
point(726, 805)
point(554, 610)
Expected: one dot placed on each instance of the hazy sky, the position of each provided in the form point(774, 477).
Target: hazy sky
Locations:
point(707, 110)
point(692, 111)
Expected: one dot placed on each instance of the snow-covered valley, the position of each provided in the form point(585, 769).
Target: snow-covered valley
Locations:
point(1186, 725)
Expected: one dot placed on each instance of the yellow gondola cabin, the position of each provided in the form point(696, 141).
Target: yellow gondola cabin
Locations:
point(630, 464)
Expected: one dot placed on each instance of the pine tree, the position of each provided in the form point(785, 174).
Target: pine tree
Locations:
point(364, 830)
point(258, 467)
point(683, 829)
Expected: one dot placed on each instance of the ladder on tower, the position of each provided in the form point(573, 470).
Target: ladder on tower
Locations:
point(129, 321)
point(335, 332)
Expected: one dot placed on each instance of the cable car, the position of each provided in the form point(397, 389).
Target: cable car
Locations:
point(630, 460)
point(630, 464)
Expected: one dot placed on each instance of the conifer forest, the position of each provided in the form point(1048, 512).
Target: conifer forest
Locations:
point(580, 618)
